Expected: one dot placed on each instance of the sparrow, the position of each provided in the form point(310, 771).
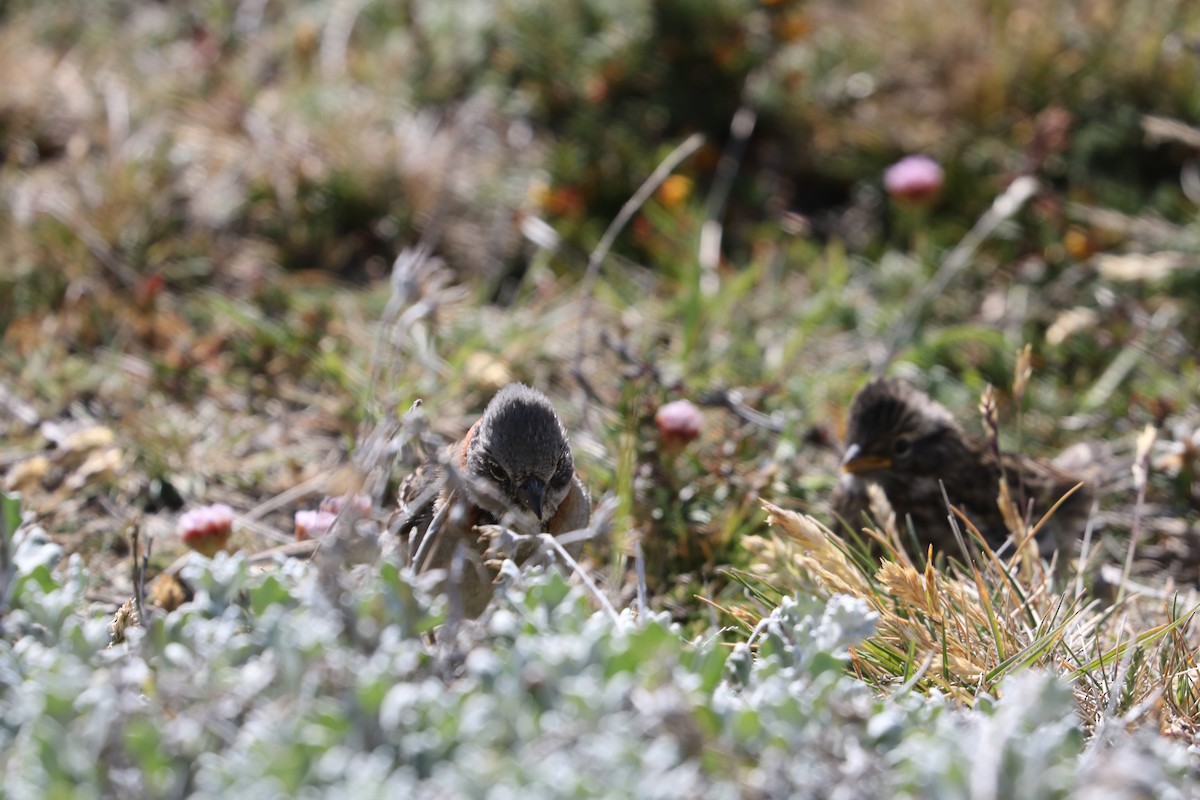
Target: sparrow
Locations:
point(912, 447)
point(512, 468)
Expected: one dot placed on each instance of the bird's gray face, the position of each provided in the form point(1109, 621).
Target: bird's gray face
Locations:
point(521, 447)
point(895, 429)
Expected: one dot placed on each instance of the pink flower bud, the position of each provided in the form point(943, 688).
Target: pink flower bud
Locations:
point(206, 529)
point(312, 524)
point(678, 422)
point(914, 179)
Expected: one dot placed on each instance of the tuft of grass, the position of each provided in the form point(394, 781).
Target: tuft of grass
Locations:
point(963, 630)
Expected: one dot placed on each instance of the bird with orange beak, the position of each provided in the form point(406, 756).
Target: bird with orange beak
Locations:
point(912, 447)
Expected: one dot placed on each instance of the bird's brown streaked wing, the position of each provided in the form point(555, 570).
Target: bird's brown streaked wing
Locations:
point(417, 496)
point(455, 546)
point(1046, 484)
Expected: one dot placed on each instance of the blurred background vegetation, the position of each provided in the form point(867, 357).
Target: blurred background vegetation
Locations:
point(200, 204)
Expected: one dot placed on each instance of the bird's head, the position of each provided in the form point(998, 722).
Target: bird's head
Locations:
point(521, 447)
point(895, 428)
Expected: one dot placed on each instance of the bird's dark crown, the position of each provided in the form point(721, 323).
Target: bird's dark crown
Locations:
point(886, 406)
point(520, 437)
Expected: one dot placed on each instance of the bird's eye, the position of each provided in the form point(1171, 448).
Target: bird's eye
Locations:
point(496, 473)
point(902, 445)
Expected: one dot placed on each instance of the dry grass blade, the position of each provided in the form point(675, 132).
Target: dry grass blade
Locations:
point(660, 174)
point(1141, 471)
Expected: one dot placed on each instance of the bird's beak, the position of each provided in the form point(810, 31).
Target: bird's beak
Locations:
point(854, 461)
point(533, 492)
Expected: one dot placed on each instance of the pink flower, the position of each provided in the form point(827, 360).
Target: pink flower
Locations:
point(914, 179)
point(206, 529)
point(311, 524)
point(678, 422)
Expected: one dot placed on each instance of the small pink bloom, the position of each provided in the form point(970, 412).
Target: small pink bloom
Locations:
point(206, 529)
point(311, 524)
point(914, 179)
point(678, 422)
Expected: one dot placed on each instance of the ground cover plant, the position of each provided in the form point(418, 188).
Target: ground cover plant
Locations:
point(264, 686)
point(240, 240)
